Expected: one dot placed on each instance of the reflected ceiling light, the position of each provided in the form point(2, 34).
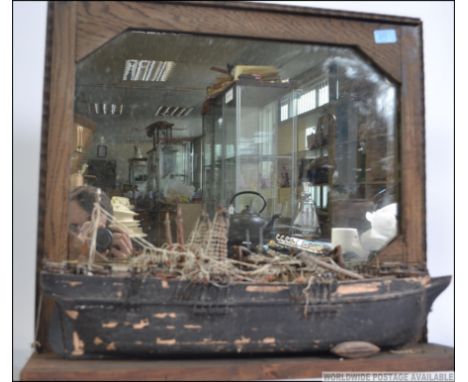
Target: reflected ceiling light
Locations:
point(173, 111)
point(104, 108)
point(147, 70)
point(187, 112)
point(181, 112)
point(159, 109)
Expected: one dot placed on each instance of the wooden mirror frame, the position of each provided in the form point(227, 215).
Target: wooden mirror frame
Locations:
point(76, 29)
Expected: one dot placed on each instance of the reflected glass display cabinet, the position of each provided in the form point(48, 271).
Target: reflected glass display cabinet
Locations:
point(240, 128)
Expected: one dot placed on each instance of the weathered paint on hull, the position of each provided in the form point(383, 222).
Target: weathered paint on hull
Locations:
point(100, 316)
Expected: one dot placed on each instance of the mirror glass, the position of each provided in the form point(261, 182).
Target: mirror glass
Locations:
point(169, 119)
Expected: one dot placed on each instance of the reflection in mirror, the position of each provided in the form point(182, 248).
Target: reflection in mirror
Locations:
point(168, 122)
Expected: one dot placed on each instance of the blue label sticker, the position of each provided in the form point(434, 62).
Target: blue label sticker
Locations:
point(385, 36)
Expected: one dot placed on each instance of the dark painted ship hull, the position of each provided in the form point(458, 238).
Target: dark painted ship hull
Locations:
point(100, 316)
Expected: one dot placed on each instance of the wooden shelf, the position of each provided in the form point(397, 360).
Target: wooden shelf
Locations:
point(49, 367)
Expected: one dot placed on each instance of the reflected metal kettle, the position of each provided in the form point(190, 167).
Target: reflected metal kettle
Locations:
point(248, 227)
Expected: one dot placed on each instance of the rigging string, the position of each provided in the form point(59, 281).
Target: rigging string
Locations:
point(95, 221)
point(199, 261)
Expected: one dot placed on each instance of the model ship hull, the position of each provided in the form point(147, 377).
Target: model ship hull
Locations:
point(99, 316)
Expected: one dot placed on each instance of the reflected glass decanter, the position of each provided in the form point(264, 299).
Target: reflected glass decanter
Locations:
point(306, 223)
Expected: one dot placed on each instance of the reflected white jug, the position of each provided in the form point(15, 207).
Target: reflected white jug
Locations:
point(384, 228)
point(348, 239)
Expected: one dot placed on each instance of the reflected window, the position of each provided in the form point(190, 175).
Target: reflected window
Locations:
point(307, 102)
point(284, 112)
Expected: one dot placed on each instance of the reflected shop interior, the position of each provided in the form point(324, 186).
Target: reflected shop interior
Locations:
point(294, 140)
